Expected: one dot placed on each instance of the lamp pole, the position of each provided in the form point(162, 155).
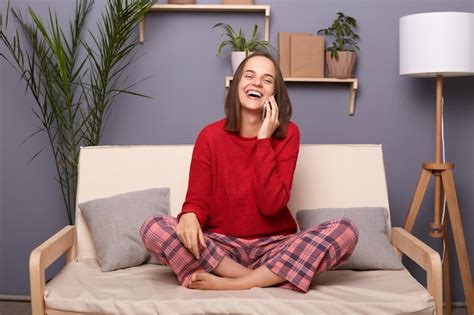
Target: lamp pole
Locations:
point(436, 226)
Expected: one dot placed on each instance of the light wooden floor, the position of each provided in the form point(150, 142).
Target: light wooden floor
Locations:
point(23, 308)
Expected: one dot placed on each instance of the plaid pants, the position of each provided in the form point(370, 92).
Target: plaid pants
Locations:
point(297, 257)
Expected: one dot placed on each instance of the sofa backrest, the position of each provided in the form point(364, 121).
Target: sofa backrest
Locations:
point(326, 176)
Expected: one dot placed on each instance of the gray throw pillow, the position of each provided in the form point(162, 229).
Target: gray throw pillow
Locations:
point(115, 222)
point(373, 250)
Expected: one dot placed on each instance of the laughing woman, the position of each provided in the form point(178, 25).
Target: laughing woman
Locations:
point(235, 230)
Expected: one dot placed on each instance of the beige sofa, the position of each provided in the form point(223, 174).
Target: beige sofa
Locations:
point(326, 176)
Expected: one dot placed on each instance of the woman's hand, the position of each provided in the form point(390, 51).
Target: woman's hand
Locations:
point(271, 122)
point(190, 234)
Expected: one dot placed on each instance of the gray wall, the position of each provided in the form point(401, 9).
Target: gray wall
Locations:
point(188, 92)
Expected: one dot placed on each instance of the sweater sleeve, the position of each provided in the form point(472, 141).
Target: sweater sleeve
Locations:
point(199, 194)
point(274, 173)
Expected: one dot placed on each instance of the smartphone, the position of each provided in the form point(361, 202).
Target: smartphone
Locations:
point(264, 111)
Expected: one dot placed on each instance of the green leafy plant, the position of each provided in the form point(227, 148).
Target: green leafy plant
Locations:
point(238, 41)
point(342, 29)
point(74, 82)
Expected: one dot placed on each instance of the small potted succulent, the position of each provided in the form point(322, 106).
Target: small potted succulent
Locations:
point(341, 55)
point(241, 47)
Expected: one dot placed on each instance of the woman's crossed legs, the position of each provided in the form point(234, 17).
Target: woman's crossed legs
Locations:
point(230, 263)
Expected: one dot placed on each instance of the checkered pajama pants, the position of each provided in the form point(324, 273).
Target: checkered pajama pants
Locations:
point(296, 257)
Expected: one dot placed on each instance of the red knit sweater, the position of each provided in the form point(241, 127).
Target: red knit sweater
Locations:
point(240, 186)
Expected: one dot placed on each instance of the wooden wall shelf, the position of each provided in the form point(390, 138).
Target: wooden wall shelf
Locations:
point(210, 8)
point(353, 85)
point(247, 8)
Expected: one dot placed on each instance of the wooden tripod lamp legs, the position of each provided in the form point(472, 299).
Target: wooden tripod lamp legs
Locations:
point(447, 186)
point(446, 268)
point(458, 235)
point(417, 199)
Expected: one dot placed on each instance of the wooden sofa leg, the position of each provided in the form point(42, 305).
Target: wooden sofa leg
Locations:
point(37, 282)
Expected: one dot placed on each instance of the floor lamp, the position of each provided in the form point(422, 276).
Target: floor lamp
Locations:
point(440, 44)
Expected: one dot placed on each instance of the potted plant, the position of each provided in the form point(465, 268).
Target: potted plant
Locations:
point(341, 55)
point(241, 46)
point(74, 75)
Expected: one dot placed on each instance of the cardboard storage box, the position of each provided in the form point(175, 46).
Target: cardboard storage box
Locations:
point(306, 56)
point(284, 47)
point(301, 54)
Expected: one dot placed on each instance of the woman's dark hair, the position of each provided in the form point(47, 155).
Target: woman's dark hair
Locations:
point(232, 102)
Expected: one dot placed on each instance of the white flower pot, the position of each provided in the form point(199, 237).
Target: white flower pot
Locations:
point(236, 58)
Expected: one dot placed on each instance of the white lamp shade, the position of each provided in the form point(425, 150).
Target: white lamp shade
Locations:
point(437, 43)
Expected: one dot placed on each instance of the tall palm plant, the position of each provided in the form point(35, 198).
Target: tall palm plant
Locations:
point(73, 81)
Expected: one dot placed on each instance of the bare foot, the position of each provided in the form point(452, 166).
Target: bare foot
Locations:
point(260, 277)
point(208, 281)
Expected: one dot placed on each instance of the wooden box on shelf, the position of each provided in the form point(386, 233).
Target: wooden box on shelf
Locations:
point(306, 56)
point(301, 55)
point(284, 47)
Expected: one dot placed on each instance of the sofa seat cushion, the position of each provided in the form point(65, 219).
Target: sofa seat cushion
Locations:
point(153, 289)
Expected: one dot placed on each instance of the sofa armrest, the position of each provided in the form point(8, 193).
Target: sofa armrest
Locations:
point(425, 257)
point(43, 256)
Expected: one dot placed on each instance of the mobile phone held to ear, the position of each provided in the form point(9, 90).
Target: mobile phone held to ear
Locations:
point(264, 110)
